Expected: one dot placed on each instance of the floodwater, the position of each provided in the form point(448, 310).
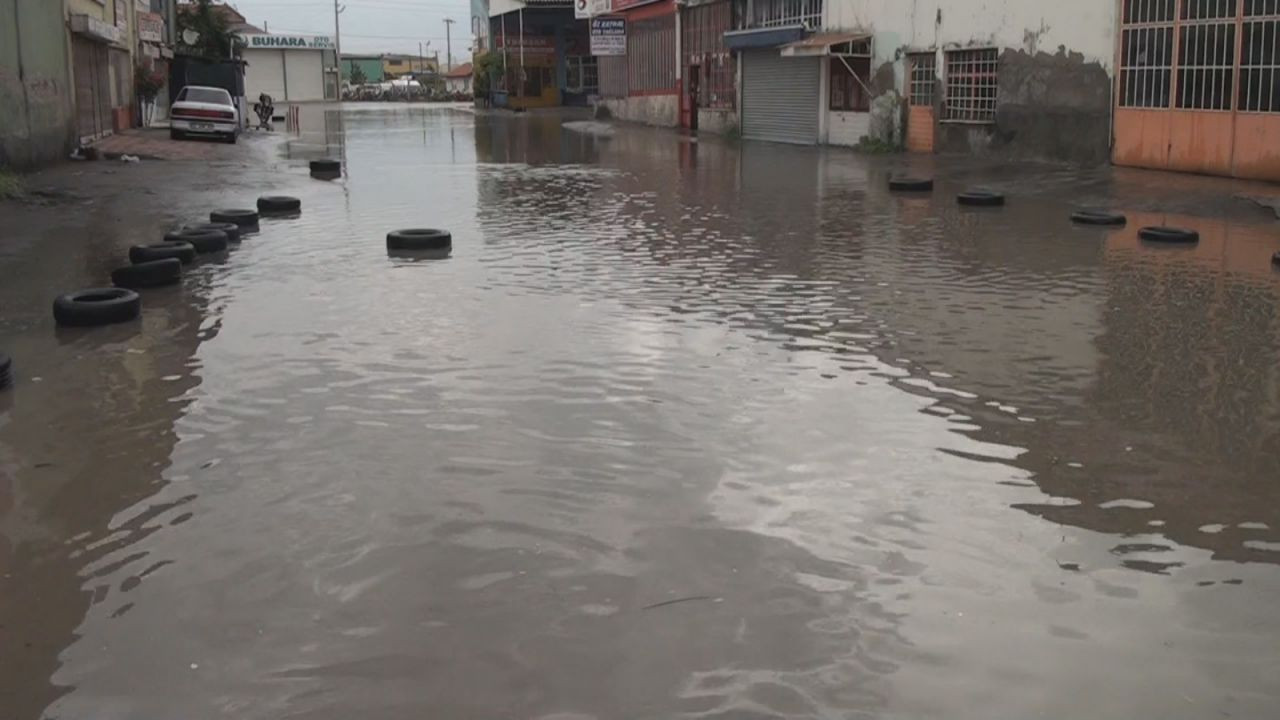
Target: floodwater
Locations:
point(677, 430)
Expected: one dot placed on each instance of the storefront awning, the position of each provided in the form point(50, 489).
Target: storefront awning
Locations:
point(768, 37)
point(829, 44)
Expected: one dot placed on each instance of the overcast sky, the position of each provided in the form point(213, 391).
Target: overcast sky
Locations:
point(370, 26)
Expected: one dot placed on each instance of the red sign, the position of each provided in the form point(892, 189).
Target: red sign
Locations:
point(628, 4)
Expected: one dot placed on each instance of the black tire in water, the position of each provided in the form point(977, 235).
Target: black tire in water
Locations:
point(6, 366)
point(241, 217)
point(418, 239)
point(910, 184)
point(155, 273)
point(204, 241)
point(182, 251)
point(980, 198)
point(1180, 236)
point(1097, 217)
point(97, 306)
point(275, 204)
point(326, 165)
point(231, 229)
point(1275, 259)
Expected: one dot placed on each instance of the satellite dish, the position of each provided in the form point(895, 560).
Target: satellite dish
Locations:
point(190, 36)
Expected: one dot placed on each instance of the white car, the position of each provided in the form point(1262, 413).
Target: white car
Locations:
point(204, 111)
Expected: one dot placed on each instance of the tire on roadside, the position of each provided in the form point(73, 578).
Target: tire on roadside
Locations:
point(97, 306)
point(980, 198)
point(150, 274)
point(204, 241)
point(278, 205)
point(326, 165)
point(1098, 217)
point(419, 239)
point(1171, 235)
point(184, 252)
point(910, 184)
point(1275, 259)
point(239, 216)
point(231, 229)
point(6, 371)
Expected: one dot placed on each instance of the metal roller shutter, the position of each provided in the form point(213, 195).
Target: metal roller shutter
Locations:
point(780, 97)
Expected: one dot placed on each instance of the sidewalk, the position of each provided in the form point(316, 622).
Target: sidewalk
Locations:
point(154, 144)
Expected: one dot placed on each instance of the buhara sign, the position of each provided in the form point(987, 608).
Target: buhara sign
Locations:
point(289, 42)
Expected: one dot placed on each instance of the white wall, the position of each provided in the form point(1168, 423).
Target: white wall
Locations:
point(847, 128)
point(502, 7)
point(263, 74)
point(1083, 26)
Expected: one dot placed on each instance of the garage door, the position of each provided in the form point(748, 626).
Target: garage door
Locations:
point(306, 74)
point(92, 91)
point(780, 97)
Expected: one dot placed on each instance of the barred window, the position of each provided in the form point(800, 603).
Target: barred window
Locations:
point(849, 91)
point(703, 28)
point(777, 13)
point(971, 85)
point(1260, 57)
point(1206, 71)
point(651, 55)
point(923, 72)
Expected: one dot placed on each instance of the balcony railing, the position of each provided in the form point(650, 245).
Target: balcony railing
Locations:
point(778, 13)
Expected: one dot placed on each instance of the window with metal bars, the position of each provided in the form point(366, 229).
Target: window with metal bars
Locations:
point(849, 89)
point(1259, 89)
point(776, 13)
point(1146, 53)
point(1206, 66)
point(651, 55)
point(1208, 9)
point(703, 28)
point(971, 85)
point(923, 73)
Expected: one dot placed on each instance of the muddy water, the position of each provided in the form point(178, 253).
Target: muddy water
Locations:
point(677, 430)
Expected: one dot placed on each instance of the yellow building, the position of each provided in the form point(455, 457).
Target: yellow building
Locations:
point(394, 66)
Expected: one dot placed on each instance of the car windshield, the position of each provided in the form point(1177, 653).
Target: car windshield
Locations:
point(205, 95)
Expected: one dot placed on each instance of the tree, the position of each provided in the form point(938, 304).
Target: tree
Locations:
point(214, 39)
point(357, 76)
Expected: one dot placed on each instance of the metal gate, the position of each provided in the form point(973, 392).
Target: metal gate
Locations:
point(780, 97)
point(1199, 87)
point(93, 89)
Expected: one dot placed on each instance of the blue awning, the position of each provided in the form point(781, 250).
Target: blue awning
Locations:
point(770, 37)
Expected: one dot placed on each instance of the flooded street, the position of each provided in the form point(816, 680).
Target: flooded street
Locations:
point(677, 430)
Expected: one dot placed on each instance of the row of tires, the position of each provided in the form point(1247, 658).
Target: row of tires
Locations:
point(985, 198)
point(155, 265)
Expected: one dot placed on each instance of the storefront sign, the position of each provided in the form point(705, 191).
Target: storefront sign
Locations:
point(532, 44)
point(619, 5)
point(150, 27)
point(288, 42)
point(608, 36)
point(95, 28)
point(584, 9)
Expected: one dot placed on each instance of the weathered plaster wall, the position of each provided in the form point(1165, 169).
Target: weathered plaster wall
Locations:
point(847, 128)
point(36, 120)
point(660, 110)
point(717, 121)
point(1056, 66)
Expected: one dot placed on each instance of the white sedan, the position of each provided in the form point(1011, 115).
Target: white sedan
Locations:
point(204, 111)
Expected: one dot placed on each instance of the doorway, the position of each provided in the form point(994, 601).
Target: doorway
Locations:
point(921, 96)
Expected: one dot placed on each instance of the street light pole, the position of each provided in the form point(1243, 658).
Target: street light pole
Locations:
point(448, 46)
point(337, 43)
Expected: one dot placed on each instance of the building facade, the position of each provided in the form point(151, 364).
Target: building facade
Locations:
point(290, 68)
point(37, 115)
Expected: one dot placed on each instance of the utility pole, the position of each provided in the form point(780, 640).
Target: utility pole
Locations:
point(448, 46)
point(337, 43)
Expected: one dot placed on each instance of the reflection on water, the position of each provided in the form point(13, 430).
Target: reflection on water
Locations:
point(677, 429)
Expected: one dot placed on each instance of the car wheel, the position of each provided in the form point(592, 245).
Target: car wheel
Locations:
point(154, 273)
point(97, 306)
point(231, 139)
point(204, 241)
point(175, 134)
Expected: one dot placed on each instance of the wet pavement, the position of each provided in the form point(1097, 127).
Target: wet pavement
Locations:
point(677, 430)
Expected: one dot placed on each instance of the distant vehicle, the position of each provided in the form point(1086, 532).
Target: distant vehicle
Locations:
point(204, 111)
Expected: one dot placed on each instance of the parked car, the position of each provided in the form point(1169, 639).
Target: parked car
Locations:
point(203, 110)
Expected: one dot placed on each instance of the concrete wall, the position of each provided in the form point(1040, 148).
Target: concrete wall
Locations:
point(37, 124)
point(717, 121)
point(847, 128)
point(1056, 66)
point(663, 110)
